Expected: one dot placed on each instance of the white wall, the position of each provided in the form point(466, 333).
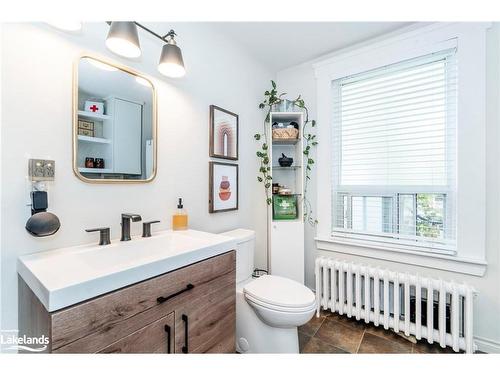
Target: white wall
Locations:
point(300, 79)
point(37, 63)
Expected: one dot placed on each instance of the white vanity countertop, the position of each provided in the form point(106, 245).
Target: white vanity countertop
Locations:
point(63, 277)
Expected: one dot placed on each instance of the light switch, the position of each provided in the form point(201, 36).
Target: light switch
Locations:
point(41, 170)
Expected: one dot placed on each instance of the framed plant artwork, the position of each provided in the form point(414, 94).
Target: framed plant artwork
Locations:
point(223, 187)
point(223, 133)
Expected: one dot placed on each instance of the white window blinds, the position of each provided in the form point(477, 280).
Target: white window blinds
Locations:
point(394, 151)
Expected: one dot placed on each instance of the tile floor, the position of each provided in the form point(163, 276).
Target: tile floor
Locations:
point(332, 333)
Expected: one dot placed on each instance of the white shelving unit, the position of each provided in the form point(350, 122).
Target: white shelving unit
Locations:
point(117, 138)
point(99, 146)
point(286, 242)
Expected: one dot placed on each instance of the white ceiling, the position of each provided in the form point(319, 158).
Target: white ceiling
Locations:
point(283, 44)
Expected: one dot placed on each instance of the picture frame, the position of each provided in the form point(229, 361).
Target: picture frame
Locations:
point(224, 131)
point(223, 185)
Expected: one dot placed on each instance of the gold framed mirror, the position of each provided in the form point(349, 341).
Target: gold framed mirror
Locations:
point(114, 123)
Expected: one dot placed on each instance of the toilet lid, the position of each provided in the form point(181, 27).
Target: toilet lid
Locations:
point(279, 291)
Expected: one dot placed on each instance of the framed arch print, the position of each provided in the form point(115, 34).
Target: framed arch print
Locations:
point(223, 133)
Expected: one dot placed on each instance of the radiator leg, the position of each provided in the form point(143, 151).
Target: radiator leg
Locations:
point(469, 340)
point(318, 286)
point(418, 309)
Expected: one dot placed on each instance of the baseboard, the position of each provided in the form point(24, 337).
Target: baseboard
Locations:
point(487, 345)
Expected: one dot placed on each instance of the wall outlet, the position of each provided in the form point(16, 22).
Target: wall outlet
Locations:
point(41, 170)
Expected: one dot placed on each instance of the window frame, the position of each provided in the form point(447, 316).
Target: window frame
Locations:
point(444, 246)
point(470, 42)
point(439, 246)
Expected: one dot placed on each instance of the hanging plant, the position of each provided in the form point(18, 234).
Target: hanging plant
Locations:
point(271, 98)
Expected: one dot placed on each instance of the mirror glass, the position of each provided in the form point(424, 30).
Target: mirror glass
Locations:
point(114, 124)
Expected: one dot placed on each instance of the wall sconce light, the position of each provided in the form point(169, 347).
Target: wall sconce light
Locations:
point(171, 63)
point(123, 40)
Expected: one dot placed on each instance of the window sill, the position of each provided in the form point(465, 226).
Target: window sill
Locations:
point(450, 263)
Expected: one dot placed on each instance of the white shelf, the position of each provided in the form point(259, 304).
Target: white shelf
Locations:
point(280, 168)
point(95, 170)
point(279, 142)
point(85, 138)
point(93, 115)
point(287, 116)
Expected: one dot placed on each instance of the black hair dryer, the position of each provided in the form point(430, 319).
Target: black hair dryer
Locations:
point(41, 223)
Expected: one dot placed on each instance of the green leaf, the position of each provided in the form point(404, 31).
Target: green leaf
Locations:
point(266, 160)
point(266, 93)
point(262, 169)
point(259, 154)
point(261, 105)
point(313, 123)
point(257, 137)
point(259, 179)
point(305, 152)
point(267, 185)
point(314, 143)
point(269, 201)
point(264, 146)
point(310, 161)
point(269, 177)
point(273, 83)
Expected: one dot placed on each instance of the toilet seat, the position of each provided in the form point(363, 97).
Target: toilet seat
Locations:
point(280, 294)
point(282, 309)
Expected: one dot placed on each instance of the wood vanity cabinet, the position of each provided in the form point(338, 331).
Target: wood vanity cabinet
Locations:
point(189, 310)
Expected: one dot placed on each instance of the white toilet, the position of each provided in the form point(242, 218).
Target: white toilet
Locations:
point(269, 308)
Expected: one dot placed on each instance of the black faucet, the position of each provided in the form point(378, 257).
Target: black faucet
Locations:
point(126, 225)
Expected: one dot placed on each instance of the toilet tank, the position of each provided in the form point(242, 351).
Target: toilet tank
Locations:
point(244, 252)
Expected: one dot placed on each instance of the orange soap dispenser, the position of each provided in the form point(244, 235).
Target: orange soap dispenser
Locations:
point(180, 217)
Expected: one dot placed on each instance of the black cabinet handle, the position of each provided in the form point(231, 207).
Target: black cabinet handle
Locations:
point(163, 299)
point(185, 320)
point(169, 337)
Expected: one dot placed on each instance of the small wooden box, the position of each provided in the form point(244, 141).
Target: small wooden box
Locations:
point(86, 128)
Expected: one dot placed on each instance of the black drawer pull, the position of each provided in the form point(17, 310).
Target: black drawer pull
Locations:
point(169, 337)
point(163, 299)
point(185, 320)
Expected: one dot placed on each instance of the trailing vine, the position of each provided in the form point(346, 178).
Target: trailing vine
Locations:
point(271, 98)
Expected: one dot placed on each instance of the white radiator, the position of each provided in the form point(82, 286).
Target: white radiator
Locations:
point(399, 301)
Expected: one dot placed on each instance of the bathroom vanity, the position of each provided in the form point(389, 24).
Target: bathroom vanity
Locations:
point(171, 293)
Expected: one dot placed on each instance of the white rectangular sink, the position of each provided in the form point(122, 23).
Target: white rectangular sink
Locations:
point(63, 277)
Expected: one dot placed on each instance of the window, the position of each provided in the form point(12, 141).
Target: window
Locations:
point(394, 151)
